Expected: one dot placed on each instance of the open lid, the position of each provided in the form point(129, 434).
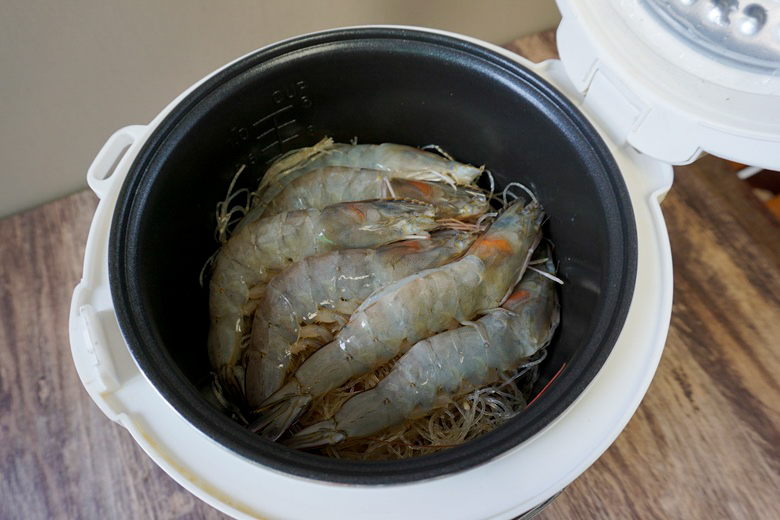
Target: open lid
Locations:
point(675, 78)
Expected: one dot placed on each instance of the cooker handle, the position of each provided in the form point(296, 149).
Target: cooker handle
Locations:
point(101, 173)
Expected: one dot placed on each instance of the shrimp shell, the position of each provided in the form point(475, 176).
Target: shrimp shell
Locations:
point(437, 370)
point(250, 257)
point(329, 185)
point(398, 160)
point(330, 281)
point(394, 318)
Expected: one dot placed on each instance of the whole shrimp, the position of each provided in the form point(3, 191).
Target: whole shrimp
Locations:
point(321, 289)
point(250, 257)
point(398, 160)
point(329, 185)
point(450, 364)
point(394, 318)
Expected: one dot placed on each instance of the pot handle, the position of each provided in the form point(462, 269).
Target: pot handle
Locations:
point(101, 173)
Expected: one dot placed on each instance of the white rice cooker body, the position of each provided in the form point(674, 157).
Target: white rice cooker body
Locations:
point(646, 128)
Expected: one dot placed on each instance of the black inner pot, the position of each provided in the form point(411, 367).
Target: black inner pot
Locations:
point(379, 85)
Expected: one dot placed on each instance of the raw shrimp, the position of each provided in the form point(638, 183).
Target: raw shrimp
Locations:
point(439, 369)
point(325, 186)
point(398, 160)
point(337, 282)
point(394, 318)
point(251, 256)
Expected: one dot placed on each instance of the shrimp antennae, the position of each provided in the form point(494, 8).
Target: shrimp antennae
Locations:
point(444, 177)
point(485, 216)
point(522, 187)
point(523, 368)
point(387, 188)
point(492, 183)
point(546, 274)
point(438, 149)
point(224, 215)
point(459, 225)
point(209, 263)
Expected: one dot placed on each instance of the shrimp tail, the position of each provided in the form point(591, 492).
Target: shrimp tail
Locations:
point(280, 174)
point(283, 408)
point(292, 160)
point(267, 382)
point(316, 435)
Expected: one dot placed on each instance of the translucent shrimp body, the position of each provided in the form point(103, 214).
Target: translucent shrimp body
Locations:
point(332, 184)
point(336, 281)
point(398, 160)
point(395, 157)
point(258, 251)
point(394, 318)
point(447, 365)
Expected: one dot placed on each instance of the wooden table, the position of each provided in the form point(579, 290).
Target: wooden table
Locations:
point(705, 442)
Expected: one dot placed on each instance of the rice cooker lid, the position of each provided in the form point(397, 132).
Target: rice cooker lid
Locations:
point(677, 78)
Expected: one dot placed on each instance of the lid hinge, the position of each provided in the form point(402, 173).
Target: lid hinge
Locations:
point(613, 106)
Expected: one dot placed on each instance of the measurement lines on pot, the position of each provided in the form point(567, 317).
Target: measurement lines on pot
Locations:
point(272, 133)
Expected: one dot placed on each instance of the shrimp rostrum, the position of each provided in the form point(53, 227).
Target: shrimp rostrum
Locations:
point(439, 369)
point(404, 312)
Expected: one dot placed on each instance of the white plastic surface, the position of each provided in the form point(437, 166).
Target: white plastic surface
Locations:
point(667, 99)
point(516, 482)
point(101, 357)
point(107, 160)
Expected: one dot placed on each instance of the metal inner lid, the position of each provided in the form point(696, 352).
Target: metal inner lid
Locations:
point(746, 34)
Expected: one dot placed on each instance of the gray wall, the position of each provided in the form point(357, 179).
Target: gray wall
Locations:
point(75, 71)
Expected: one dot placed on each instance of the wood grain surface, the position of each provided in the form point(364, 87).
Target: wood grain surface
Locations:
point(705, 442)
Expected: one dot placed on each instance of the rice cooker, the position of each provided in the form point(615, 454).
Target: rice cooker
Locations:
point(641, 85)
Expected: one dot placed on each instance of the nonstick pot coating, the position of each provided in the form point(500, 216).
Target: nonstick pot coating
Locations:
point(376, 85)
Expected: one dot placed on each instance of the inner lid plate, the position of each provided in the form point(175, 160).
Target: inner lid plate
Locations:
point(676, 78)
